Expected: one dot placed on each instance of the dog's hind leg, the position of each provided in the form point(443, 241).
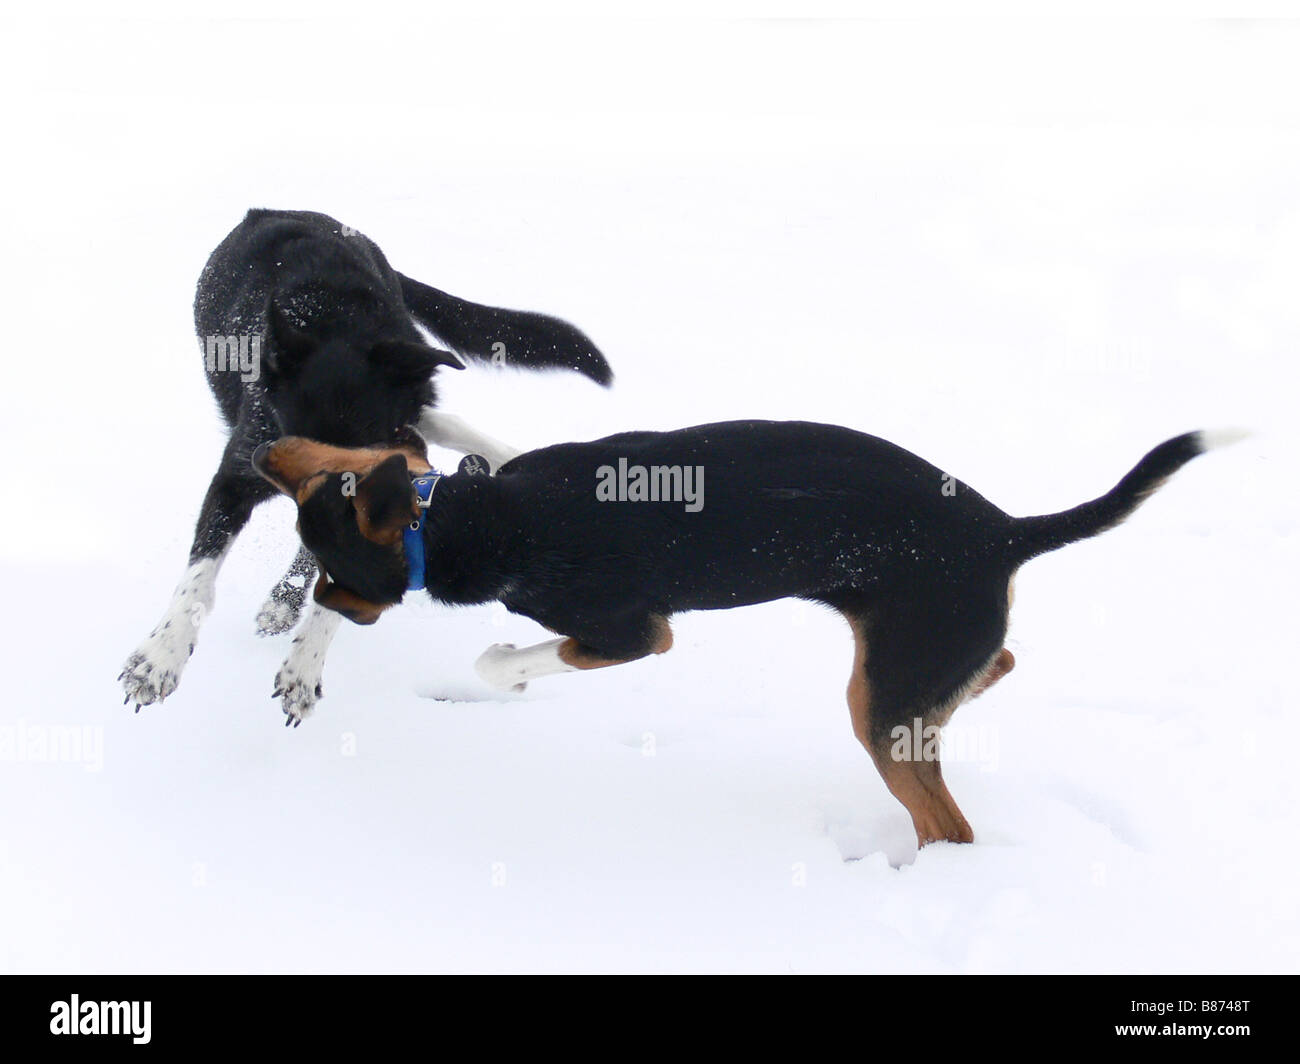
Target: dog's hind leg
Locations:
point(918, 784)
point(915, 782)
point(448, 430)
point(509, 669)
point(283, 606)
point(1001, 665)
point(914, 663)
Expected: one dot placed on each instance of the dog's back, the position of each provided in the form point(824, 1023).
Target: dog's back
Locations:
point(286, 252)
point(320, 274)
point(299, 279)
point(744, 512)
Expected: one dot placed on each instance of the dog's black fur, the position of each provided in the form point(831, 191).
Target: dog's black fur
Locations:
point(341, 358)
point(920, 565)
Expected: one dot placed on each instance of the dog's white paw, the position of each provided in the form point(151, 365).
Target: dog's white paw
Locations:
point(298, 695)
point(298, 686)
point(153, 671)
point(499, 666)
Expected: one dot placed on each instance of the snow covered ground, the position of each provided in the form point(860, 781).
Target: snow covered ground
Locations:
point(1028, 252)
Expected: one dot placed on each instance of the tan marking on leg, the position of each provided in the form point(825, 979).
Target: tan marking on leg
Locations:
point(859, 694)
point(1002, 664)
point(917, 784)
point(571, 652)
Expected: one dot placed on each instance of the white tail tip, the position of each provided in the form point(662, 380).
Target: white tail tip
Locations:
point(1214, 438)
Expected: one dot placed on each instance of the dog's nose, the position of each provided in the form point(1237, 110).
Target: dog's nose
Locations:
point(259, 457)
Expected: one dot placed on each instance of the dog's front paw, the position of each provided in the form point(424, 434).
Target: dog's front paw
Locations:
point(298, 686)
point(297, 697)
point(499, 668)
point(153, 671)
point(282, 608)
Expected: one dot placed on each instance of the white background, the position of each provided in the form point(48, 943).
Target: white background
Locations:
point(1027, 250)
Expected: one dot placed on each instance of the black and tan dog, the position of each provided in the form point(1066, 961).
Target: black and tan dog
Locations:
point(603, 542)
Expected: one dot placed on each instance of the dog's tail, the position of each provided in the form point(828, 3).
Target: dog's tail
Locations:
point(518, 338)
point(1032, 536)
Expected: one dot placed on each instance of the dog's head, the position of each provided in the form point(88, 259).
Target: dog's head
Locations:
point(353, 504)
point(338, 390)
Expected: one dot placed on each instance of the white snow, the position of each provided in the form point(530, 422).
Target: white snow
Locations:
point(1026, 251)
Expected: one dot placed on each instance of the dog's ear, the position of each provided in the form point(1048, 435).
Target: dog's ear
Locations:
point(386, 502)
point(340, 600)
point(289, 345)
point(410, 360)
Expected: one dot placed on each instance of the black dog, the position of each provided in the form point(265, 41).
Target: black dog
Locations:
point(603, 542)
point(307, 330)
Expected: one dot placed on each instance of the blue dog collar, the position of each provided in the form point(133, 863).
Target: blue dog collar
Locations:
point(413, 534)
point(474, 465)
